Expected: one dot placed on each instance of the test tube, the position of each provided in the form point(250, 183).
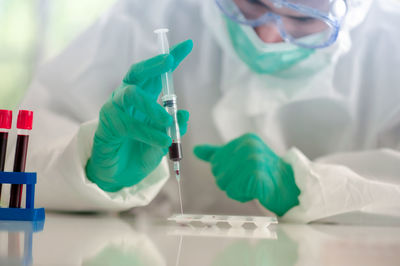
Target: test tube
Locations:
point(5, 125)
point(24, 125)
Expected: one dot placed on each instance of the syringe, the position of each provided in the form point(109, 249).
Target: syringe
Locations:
point(169, 102)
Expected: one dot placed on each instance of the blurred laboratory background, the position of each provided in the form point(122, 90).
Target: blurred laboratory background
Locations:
point(31, 32)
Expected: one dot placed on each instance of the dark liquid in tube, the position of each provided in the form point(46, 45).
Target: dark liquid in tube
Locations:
point(19, 166)
point(3, 150)
point(175, 152)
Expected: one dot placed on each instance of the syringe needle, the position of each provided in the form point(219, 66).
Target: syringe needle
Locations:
point(180, 196)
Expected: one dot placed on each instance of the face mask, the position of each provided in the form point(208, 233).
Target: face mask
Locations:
point(261, 57)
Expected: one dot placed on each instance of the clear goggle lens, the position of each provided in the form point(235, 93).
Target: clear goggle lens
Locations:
point(310, 32)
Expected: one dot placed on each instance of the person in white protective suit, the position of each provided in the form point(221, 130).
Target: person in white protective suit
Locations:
point(299, 120)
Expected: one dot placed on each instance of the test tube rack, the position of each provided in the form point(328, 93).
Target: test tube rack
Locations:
point(29, 213)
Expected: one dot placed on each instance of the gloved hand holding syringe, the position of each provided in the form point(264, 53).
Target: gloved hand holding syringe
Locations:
point(169, 102)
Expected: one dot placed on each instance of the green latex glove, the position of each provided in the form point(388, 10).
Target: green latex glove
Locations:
point(131, 137)
point(247, 169)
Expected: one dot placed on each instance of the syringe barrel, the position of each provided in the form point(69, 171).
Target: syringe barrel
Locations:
point(163, 48)
point(167, 84)
point(175, 150)
point(169, 99)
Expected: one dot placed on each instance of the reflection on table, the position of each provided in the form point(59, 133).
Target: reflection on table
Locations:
point(70, 239)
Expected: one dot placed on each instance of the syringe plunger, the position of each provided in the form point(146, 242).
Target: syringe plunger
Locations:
point(163, 45)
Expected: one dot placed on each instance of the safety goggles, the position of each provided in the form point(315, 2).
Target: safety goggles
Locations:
point(306, 23)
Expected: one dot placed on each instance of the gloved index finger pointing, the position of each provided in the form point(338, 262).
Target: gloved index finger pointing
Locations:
point(153, 67)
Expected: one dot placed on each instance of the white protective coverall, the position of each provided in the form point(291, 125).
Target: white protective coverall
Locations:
point(339, 128)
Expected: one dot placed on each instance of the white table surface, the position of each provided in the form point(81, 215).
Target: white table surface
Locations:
point(71, 239)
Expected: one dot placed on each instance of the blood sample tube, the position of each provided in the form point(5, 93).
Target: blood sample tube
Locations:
point(5, 125)
point(24, 125)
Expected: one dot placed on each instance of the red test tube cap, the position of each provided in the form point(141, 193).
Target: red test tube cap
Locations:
point(25, 119)
point(5, 119)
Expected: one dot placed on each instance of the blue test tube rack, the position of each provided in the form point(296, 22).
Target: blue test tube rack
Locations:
point(29, 213)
